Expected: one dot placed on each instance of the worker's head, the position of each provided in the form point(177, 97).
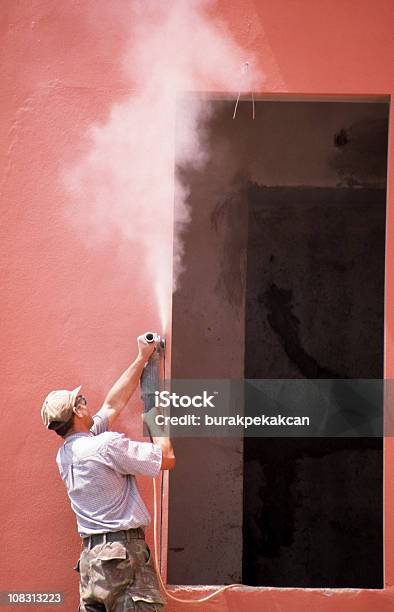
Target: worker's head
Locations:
point(65, 411)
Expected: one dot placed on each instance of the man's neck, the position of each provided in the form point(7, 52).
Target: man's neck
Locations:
point(72, 432)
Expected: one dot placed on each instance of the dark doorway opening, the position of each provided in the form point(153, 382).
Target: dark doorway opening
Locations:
point(290, 284)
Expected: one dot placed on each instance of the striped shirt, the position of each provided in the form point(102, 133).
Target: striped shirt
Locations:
point(98, 470)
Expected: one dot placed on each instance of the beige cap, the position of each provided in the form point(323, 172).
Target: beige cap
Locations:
point(58, 406)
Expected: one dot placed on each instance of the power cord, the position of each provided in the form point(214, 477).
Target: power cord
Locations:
point(155, 539)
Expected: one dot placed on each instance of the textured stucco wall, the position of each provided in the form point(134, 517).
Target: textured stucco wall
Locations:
point(70, 311)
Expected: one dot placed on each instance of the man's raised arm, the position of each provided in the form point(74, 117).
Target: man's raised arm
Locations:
point(121, 392)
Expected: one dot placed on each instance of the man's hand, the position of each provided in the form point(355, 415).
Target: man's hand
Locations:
point(159, 436)
point(149, 418)
point(145, 348)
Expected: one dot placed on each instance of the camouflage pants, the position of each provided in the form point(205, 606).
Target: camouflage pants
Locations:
point(119, 577)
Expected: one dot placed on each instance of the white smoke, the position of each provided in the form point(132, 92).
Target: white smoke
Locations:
point(126, 183)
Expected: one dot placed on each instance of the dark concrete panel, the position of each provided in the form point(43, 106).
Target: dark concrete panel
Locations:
point(315, 283)
point(205, 502)
point(313, 513)
point(284, 272)
point(314, 309)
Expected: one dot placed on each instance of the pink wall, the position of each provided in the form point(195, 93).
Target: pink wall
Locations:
point(70, 309)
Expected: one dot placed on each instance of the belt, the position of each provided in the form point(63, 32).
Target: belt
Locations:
point(114, 536)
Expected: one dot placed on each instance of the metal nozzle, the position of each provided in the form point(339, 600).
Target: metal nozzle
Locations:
point(152, 337)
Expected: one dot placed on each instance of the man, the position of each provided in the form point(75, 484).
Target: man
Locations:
point(98, 468)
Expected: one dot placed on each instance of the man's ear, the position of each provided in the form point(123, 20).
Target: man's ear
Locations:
point(75, 410)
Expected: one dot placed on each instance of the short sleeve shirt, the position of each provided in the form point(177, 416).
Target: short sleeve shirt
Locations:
point(99, 469)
